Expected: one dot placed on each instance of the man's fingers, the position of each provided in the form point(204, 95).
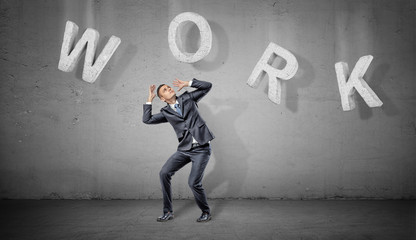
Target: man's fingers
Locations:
point(152, 88)
point(178, 83)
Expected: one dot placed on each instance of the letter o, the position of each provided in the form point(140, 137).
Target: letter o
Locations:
point(204, 30)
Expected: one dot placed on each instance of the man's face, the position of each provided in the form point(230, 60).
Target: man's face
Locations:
point(166, 92)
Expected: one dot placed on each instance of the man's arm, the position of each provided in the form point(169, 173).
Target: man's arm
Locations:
point(202, 88)
point(148, 118)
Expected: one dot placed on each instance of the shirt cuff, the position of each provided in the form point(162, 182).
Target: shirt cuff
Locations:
point(150, 103)
point(190, 83)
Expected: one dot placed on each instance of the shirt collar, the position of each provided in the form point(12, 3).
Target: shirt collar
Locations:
point(173, 105)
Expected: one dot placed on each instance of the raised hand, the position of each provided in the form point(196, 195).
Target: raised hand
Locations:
point(180, 84)
point(152, 93)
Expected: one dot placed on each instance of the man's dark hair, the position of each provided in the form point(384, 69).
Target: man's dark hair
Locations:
point(157, 91)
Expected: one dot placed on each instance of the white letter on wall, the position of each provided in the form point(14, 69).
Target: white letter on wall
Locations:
point(69, 59)
point(204, 30)
point(355, 82)
point(263, 65)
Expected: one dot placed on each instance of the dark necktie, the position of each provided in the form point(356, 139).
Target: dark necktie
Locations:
point(178, 110)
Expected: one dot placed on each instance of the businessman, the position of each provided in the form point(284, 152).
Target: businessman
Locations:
point(194, 140)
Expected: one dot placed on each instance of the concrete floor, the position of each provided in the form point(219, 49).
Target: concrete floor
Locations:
point(232, 219)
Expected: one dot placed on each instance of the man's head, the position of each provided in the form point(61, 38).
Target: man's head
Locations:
point(165, 92)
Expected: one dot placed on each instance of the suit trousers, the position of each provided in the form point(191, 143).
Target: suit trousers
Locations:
point(199, 156)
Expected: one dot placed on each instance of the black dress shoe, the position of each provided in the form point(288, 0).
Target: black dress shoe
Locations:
point(205, 217)
point(166, 217)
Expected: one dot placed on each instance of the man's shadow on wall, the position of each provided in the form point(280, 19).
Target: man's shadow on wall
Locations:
point(230, 170)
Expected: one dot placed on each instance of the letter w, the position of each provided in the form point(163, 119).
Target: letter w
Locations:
point(69, 59)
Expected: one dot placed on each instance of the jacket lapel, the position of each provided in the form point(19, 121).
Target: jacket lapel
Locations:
point(169, 109)
point(180, 101)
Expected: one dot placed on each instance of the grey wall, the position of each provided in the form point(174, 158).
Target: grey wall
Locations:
point(64, 138)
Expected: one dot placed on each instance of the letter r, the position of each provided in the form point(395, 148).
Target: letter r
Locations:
point(263, 66)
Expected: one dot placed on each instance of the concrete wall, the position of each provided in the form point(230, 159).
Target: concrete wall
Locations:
point(64, 138)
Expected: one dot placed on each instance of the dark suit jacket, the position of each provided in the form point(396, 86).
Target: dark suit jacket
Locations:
point(191, 123)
